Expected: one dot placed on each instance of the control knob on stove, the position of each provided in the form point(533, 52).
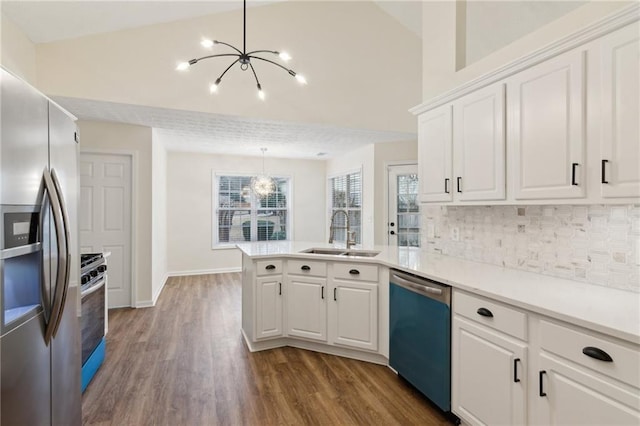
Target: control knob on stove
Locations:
point(102, 268)
point(85, 278)
point(94, 273)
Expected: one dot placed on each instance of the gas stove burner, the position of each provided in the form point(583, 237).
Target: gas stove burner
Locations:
point(89, 258)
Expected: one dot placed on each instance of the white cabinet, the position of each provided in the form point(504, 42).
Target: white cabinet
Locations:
point(307, 307)
point(620, 140)
point(545, 115)
point(269, 307)
point(353, 310)
point(479, 145)
point(489, 367)
point(434, 154)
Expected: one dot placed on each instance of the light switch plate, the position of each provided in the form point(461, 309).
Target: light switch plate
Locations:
point(455, 234)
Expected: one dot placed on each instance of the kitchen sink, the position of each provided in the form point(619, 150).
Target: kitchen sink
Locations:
point(341, 252)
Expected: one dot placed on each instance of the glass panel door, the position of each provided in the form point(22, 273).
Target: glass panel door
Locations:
point(404, 207)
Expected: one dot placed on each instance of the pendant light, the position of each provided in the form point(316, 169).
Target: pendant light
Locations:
point(263, 184)
point(243, 57)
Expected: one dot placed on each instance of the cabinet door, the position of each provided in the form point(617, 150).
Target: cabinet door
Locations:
point(545, 107)
point(569, 394)
point(488, 382)
point(434, 154)
point(307, 308)
point(353, 310)
point(269, 307)
point(620, 144)
point(479, 145)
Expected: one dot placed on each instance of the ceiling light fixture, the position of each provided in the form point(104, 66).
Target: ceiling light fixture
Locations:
point(243, 57)
point(263, 185)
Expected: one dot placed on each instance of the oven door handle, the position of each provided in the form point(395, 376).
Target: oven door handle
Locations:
point(93, 288)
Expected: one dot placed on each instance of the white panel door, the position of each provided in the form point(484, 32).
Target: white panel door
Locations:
point(105, 218)
point(354, 314)
point(307, 307)
point(479, 145)
point(489, 376)
point(545, 107)
point(269, 307)
point(620, 143)
point(434, 154)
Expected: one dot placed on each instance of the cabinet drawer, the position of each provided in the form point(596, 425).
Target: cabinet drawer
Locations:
point(491, 313)
point(569, 342)
point(305, 267)
point(355, 271)
point(268, 267)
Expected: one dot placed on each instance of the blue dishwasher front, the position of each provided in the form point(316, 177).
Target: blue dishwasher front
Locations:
point(420, 335)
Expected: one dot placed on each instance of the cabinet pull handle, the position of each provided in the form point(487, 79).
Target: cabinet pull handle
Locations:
point(573, 174)
point(270, 267)
point(540, 375)
point(515, 370)
point(597, 353)
point(279, 289)
point(335, 296)
point(484, 312)
point(458, 179)
point(446, 185)
point(603, 170)
point(354, 272)
point(305, 267)
point(322, 292)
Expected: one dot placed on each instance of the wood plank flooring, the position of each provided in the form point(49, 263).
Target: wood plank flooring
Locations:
point(184, 362)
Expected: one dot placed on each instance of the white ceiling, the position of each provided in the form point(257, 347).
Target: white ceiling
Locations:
point(50, 21)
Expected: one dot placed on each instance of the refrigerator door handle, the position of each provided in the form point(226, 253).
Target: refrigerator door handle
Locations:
point(62, 250)
point(66, 259)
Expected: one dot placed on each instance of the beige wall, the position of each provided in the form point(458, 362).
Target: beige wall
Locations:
point(190, 215)
point(363, 67)
point(124, 138)
point(17, 52)
point(439, 41)
point(159, 215)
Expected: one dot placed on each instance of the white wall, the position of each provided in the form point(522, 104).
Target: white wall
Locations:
point(439, 43)
point(159, 215)
point(363, 66)
point(125, 138)
point(17, 52)
point(190, 215)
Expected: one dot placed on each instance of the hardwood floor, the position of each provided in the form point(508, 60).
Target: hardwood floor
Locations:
point(184, 362)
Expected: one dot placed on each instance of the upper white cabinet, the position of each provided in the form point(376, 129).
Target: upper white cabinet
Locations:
point(434, 153)
point(545, 107)
point(620, 141)
point(479, 145)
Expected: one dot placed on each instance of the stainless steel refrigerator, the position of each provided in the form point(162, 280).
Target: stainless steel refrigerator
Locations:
point(39, 297)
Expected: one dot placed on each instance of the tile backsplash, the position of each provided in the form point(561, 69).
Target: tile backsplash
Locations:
point(597, 244)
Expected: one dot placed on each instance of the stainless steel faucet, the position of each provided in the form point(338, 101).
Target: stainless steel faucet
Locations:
point(351, 235)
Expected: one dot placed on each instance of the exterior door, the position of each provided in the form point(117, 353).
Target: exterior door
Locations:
point(105, 218)
point(404, 206)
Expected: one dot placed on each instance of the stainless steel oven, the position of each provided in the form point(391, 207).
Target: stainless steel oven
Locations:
point(93, 294)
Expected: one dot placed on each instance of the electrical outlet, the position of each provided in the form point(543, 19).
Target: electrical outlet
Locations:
point(455, 234)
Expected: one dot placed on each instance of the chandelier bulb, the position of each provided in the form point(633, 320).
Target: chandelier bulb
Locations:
point(284, 56)
point(206, 43)
point(182, 66)
point(214, 87)
point(261, 94)
point(301, 79)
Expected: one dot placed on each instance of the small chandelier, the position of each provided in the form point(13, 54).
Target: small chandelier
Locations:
point(243, 57)
point(263, 185)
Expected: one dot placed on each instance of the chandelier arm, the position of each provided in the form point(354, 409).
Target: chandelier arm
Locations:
point(227, 44)
point(257, 82)
point(263, 51)
point(276, 64)
point(215, 56)
point(228, 68)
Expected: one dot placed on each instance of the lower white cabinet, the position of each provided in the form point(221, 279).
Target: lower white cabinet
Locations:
point(489, 376)
point(269, 307)
point(561, 375)
point(307, 307)
point(353, 313)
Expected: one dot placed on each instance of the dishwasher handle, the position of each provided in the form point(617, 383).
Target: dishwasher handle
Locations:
point(423, 287)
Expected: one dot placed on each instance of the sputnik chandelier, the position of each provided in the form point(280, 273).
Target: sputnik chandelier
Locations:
point(243, 57)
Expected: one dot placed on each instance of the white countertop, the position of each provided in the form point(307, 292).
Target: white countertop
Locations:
point(610, 311)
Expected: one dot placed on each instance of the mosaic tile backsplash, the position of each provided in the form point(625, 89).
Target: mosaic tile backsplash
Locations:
point(597, 244)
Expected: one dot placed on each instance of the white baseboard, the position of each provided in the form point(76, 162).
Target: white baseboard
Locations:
point(164, 281)
point(145, 304)
point(203, 272)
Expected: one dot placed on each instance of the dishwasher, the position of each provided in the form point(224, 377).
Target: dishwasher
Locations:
point(420, 335)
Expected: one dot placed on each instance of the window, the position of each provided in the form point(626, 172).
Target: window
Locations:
point(346, 194)
point(408, 210)
point(241, 216)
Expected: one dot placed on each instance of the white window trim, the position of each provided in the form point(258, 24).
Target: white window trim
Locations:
point(215, 245)
point(328, 201)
